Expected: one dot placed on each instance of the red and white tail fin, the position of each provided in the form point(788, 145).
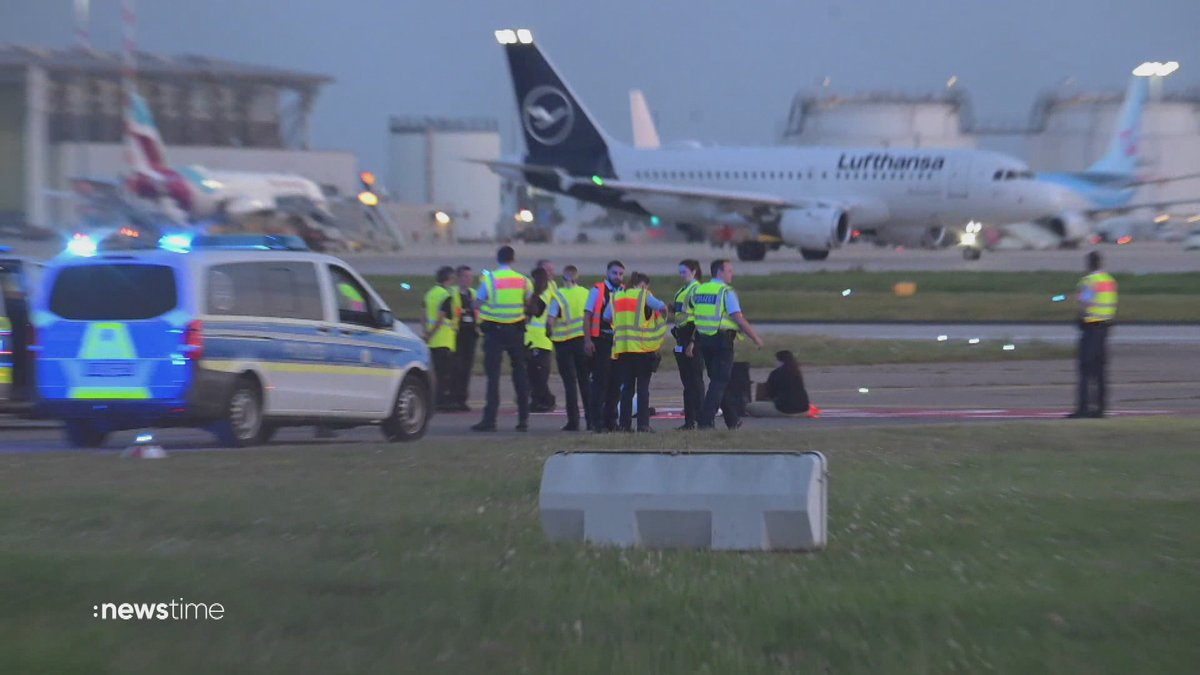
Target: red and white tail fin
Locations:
point(143, 144)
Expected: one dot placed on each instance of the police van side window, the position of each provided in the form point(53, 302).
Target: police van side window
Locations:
point(353, 302)
point(290, 291)
point(235, 289)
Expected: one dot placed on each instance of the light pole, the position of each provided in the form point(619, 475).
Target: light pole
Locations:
point(1156, 71)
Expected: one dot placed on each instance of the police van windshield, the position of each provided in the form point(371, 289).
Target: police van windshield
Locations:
point(121, 292)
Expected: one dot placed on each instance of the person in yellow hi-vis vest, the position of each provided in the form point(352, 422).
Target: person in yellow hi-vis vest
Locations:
point(718, 316)
point(1097, 309)
point(541, 399)
point(638, 331)
point(501, 301)
point(441, 334)
point(566, 322)
point(687, 356)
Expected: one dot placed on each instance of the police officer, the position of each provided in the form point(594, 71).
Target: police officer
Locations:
point(597, 345)
point(501, 301)
point(468, 338)
point(566, 321)
point(538, 343)
point(441, 308)
point(1097, 307)
point(549, 267)
point(718, 316)
point(690, 363)
point(638, 331)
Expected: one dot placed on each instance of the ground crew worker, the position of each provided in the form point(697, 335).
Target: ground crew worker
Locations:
point(638, 331)
point(1097, 308)
point(538, 343)
point(718, 316)
point(604, 390)
point(690, 363)
point(441, 306)
point(468, 337)
point(566, 321)
point(501, 299)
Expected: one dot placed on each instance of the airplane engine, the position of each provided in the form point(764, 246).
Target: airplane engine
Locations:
point(912, 237)
point(1071, 226)
point(815, 229)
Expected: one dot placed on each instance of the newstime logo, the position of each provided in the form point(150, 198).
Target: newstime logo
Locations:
point(175, 610)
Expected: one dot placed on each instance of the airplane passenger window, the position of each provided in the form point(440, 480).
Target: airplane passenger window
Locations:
point(824, 175)
point(999, 175)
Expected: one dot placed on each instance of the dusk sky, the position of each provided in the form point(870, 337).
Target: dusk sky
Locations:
point(721, 72)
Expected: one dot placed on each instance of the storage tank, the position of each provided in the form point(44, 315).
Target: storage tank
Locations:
point(878, 119)
point(426, 166)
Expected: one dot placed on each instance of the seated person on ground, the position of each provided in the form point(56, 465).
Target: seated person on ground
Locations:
point(785, 391)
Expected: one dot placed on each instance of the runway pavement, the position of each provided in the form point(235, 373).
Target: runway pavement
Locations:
point(1144, 380)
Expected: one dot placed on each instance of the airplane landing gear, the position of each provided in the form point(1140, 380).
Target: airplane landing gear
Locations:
point(813, 254)
point(751, 251)
point(972, 253)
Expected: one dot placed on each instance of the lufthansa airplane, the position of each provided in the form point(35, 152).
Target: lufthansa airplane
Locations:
point(808, 198)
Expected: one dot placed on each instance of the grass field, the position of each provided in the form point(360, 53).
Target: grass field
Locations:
point(941, 296)
point(1052, 547)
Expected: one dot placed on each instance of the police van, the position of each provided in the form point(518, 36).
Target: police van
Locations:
point(237, 334)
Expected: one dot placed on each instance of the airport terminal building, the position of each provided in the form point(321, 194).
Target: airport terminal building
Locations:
point(1065, 131)
point(61, 116)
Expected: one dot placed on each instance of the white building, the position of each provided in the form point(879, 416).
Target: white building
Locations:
point(426, 166)
point(61, 115)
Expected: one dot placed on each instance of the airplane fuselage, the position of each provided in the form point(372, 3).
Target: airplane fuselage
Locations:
point(881, 187)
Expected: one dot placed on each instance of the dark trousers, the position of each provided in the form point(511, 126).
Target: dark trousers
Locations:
point(634, 371)
point(444, 367)
point(605, 390)
point(691, 375)
point(539, 380)
point(499, 338)
point(717, 351)
point(1093, 361)
point(465, 361)
point(573, 367)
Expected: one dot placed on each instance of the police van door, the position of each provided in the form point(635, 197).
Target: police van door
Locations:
point(362, 362)
point(958, 182)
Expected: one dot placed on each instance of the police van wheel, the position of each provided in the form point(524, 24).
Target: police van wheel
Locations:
point(84, 434)
point(410, 415)
point(243, 424)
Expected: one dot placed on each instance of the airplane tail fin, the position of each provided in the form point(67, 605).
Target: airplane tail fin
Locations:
point(144, 145)
point(1122, 156)
point(558, 130)
point(645, 135)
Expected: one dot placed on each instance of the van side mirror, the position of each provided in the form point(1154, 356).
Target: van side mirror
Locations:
point(384, 318)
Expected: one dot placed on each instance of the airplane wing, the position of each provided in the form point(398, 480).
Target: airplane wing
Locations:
point(1159, 181)
point(1144, 205)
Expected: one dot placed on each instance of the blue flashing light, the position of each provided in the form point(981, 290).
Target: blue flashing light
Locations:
point(5, 249)
point(81, 245)
point(1058, 298)
point(262, 242)
point(144, 438)
point(405, 286)
point(178, 243)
